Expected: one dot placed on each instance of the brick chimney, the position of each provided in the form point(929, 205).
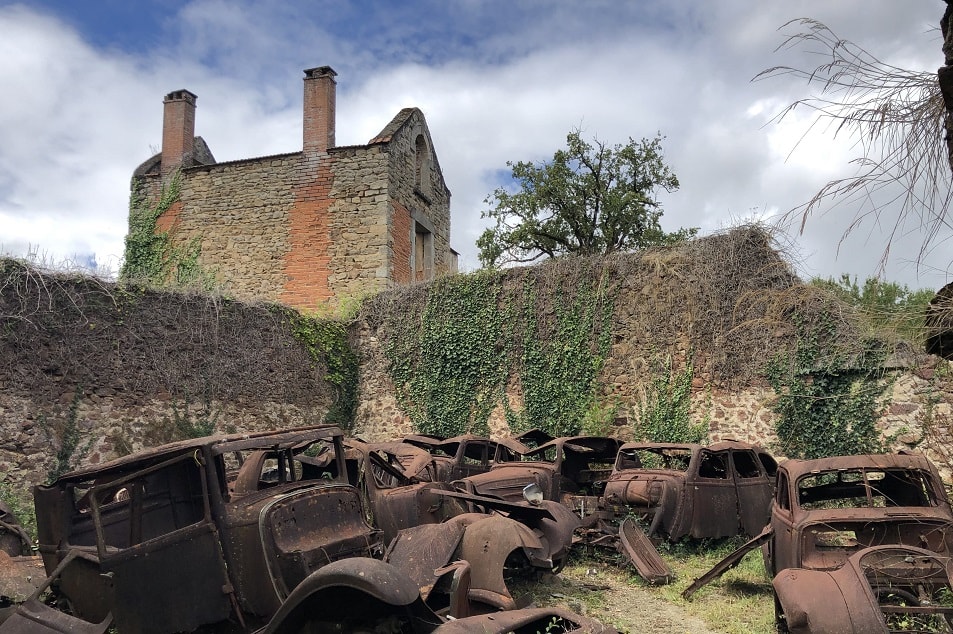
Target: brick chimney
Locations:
point(319, 101)
point(178, 130)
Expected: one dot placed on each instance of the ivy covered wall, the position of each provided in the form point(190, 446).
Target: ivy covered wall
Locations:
point(580, 345)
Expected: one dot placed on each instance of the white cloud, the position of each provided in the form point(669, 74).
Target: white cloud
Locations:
point(495, 85)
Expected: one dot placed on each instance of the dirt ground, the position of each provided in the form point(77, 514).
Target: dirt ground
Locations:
point(629, 608)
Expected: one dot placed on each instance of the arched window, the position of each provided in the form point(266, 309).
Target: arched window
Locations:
point(422, 180)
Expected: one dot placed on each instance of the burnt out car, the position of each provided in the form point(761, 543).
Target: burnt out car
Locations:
point(195, 532)
point(397, 500)
point(462, 456)
point(851, 534)
point(397, 485)
point(563, 468)
point(878, 589)
point(680, 490)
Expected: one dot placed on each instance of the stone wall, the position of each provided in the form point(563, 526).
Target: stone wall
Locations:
point(125, 365)
point(694, 301)
point(240, 213)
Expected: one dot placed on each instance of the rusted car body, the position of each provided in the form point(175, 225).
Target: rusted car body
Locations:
point(878, 589)
point(397, 484)
point(721, 490)
point(396, 500)
point(461, 456)
point(851, 534)
point(367, 595)
point(563, 468)
point(196, 532)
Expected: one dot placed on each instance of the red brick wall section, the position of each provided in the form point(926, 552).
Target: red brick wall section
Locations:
point(401, 240)
point(307, 263)
point(169, 220)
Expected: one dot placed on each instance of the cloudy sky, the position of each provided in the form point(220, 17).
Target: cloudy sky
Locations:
point(498, 80)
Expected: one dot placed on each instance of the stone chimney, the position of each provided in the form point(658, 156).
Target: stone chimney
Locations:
point(178, 130)
point(319, 101)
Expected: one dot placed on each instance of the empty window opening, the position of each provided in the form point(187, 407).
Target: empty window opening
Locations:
point(423, 254)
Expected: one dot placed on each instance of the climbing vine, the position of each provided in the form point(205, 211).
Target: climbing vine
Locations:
point(452, 362)
point(150, 257)
point(327, 343)
point(66, 437)
point(559, 366)
point(664, 414)
point(450, 365)
point(828, 401)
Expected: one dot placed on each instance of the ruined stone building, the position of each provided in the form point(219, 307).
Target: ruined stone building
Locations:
point(310, 227)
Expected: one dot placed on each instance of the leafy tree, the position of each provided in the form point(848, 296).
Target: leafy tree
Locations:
point(590, 199)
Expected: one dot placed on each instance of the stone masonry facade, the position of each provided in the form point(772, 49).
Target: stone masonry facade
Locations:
point(309, 228)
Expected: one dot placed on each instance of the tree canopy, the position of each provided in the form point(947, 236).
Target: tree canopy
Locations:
point(591, 198)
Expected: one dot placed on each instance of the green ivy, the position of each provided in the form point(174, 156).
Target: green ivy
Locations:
point(827, 404)
point(150, 256)
point(449, 366)
point(451, 363)
point(560, 367)
point(664, 413)
point(327, 343)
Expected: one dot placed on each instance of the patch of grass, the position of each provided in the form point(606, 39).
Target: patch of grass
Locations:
point(741, 602)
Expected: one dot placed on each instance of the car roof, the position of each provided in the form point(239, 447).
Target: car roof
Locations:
point(797, 468)
point(217, 444)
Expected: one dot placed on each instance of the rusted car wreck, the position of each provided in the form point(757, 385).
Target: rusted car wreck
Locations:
point(195, 532)
point(721, 490)
point(857, 544)
point(563, 468)
point(222, 531)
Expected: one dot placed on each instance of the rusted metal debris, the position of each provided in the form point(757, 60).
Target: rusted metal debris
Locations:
point(635, 544)
point(367, 595)
point(857, 543)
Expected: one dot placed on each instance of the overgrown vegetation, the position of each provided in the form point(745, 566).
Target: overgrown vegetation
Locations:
point(828, 399)
point(888, 310)
point(150, 256)
point(451, 365)
point(327, 343)
point(559, 368)
point(664, 413)
point(20, 503)
point(740, 602)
